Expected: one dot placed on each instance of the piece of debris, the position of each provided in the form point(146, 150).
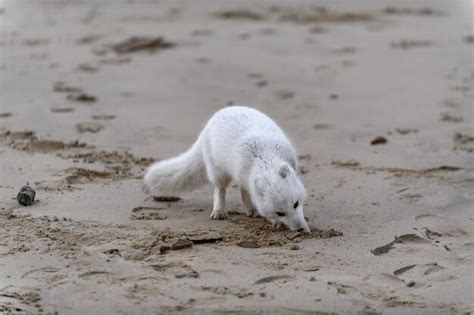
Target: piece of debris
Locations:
point(469, 39)
point(166, 198)
point(378, 140)
point(181, 243)
point(411, 284)
point(87, 67)
point(138, 43)
point(62, 87)
point(81, 97)
point(239, 15)
point(248, 244)
point(26, 196)
point(403, 269)
point(382, 249)
point(88, 39)
point(447, 117)
point(411, 11)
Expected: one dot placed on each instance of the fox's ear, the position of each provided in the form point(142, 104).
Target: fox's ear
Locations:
point(259, 185)
point(284, 170)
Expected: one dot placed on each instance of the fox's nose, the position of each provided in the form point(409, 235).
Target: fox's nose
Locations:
point(304, 228)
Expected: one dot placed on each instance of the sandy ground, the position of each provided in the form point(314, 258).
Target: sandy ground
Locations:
point(80, 122)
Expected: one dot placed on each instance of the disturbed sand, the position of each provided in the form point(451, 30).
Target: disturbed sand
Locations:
point(377, 99)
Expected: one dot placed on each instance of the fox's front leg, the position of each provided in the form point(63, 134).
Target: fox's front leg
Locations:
point(247, 201)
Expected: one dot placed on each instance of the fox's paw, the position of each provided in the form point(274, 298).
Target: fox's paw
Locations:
point(252, 213)
point(219, 215)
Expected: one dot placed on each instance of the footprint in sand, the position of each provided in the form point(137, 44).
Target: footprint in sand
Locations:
point(59, 109)
point(103, 117)
point(91, 127)
point(440, 225)
point(454, 239)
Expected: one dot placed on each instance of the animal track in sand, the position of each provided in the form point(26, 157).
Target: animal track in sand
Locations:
point(29, 142)
point(314, 14)
point(117, 165)
point(147, 213)
point(20, 300)
point(463, 142)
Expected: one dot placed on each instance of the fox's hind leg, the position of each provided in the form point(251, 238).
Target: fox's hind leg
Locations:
point(218, 211)
point(251, 210)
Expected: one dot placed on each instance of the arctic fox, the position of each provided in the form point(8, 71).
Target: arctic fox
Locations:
point(243, 145)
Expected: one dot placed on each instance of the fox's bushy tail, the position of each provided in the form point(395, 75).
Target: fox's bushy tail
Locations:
point(182, 173)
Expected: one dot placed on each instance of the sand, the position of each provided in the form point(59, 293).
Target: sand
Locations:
point(377, 98)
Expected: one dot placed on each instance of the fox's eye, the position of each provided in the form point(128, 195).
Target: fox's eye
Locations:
point(280, 214)
point(296, 205)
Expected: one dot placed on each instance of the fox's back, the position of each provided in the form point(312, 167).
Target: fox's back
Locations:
point(239, 122)
point(234, 135)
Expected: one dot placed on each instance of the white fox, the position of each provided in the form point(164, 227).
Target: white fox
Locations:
point(243, 145)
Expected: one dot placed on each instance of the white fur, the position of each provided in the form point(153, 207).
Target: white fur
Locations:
point(243, 145)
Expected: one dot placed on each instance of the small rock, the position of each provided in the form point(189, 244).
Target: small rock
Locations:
point(87, 67)
point(294, 247)
point(378, 140)
point(284, 94)
point(312, 278)
point(26, 196)
point(410, 284)
point(262, 83)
